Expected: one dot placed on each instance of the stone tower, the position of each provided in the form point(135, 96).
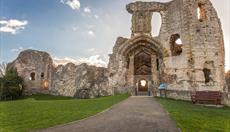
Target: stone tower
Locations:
point(187, 55)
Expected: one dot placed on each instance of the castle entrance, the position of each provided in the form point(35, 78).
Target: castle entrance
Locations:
point(143, 85)
point(142, 71)
point(143, 67)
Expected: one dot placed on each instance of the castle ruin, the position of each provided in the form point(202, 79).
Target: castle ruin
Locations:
point(187, 55)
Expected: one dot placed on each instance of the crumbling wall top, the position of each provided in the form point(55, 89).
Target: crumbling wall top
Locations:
point(146, 6)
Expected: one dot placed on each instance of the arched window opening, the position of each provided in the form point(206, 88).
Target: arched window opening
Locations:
point(46, 84)
point(201, 13)
point(156, 24)
point(207, 73)
point(176, 45)
point(32, 76)
point(42, 75)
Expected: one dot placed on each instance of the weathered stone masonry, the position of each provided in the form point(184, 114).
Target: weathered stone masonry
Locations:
point(188, 55)
point(196, 64)
point(81, 81)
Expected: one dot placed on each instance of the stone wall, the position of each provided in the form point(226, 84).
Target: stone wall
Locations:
point(226, 99)
point(227, 78)
point(202, 45)
point(179, 94)
point(81, 81)
point(226, 95)
point(197, 64)
point(34, 67)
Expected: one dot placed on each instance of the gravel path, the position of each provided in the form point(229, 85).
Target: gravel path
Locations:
point(135, 114)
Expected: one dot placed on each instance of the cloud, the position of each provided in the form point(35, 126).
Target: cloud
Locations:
point(74, 4)
point(19, 49)
point(95, 51)
point(96, 16)
point(12, 26)
point(63, 61)
point(75, 28)
point(95, 60)
point(91, 33)
point(87, 10)
point(90, 26)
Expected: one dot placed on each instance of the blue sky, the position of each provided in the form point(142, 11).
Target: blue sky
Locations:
point(77, 30)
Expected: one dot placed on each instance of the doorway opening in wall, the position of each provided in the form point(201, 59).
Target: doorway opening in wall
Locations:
point(156, 24)
point(32, 76)
point(142, 85)
point(142, 71)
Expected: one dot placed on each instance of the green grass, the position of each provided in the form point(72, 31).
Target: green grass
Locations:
point(194, 118)
point(42, 111)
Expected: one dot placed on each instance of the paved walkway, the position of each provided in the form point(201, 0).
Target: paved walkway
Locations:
point(135, 114)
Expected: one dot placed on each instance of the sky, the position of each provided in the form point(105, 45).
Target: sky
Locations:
point(76, 30)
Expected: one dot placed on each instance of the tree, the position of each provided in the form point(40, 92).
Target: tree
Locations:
point(11, 85)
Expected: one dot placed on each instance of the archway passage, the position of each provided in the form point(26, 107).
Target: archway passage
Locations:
point(142, 69)
point(143, 57)
point(142, 64)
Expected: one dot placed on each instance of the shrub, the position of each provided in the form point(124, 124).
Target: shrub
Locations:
point(11, 85)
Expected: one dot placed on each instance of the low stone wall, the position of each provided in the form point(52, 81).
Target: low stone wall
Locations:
point(32, 91)
point(177, 94)
point(81, 81)
point(123, 90)
point(186, 95)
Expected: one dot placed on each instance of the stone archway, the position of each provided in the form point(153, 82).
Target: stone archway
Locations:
point(144, 57)
point(142, 71)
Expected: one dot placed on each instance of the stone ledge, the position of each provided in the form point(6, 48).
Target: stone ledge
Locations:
point(177, 94)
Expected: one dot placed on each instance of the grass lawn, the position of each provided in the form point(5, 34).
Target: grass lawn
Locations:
point(194, 118)
point(42, 111)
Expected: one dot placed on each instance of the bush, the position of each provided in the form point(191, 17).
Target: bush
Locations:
point(11, 85)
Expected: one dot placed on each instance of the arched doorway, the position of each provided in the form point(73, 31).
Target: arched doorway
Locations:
point(142, 71)
point(142, 58)
point(142, 85)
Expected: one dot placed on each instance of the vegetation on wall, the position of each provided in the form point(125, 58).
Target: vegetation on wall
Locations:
point(11, 84)
point(227, 77)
